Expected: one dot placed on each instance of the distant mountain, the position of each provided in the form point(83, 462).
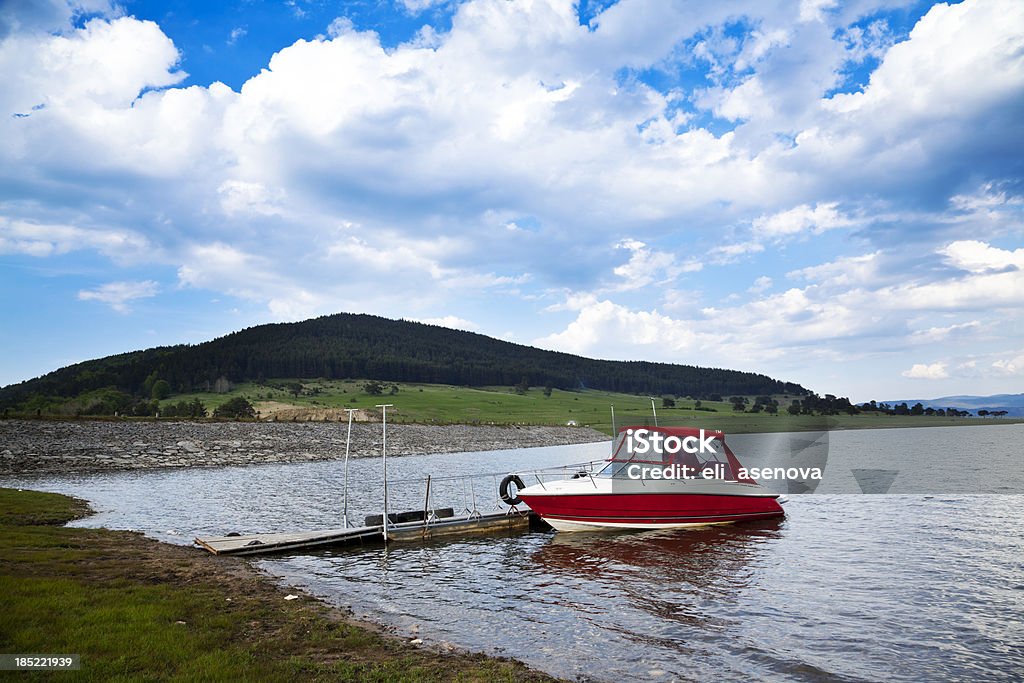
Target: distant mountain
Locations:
point(363, 346)
point(1013, 404)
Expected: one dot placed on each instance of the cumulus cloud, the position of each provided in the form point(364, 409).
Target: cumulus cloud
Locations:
point(118, 295)
point(843, 307)
point(979, 257)
point(760, 285)
point(646, 266)
point(924, 371)
point(800, 219)
point(1010, 366)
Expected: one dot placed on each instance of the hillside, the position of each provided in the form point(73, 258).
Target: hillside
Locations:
point(362, 346)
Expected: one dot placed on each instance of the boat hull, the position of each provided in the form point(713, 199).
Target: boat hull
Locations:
point(595, 511)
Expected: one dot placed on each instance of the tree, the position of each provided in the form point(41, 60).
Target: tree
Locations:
point(794, 408)
point(373, 388)
point(547, 390)
point(196, 408)
point(147, 385)
point(294, 388)
point(668, 403)
point(523, 386)
point(236, 407)
point(161, 389)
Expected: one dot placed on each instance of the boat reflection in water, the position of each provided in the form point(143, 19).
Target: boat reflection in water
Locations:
point(675, 574)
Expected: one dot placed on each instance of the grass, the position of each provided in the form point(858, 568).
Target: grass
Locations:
point(136, 609)
point(444, 404)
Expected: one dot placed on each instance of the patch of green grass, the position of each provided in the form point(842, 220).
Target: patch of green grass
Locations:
point(135, 609)
point(444, 404)
point(23, 508)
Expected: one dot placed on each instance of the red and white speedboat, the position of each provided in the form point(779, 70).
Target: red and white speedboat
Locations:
point(656, 478)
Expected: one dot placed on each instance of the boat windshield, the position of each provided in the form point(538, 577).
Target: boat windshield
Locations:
point(687, 456)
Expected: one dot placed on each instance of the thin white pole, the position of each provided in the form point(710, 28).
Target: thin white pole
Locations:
point(348, 441)
point(384, 462)
point(614, 435)
point(655, 411)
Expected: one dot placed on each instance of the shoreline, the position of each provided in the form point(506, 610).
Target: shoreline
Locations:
point(47, 446)
point(200, 616)
point(61, 447)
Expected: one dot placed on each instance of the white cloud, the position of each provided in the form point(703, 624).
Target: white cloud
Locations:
point(812, 10)
point(118, 295)
point(646, 266)
point(855, 271)
point(610, 330)
point(800, 219)
point(934, 335)
point(1010, 366)
point(41, 240)
point(452, 321)
point(237, 34)
point(847, 302)
point(728, 253)
point(418, 6)
point(923, 371)
point(959, 58)
point(89, 67)
point(574, 301)
point(761, 285)
point(239, 196)
point(979, 257)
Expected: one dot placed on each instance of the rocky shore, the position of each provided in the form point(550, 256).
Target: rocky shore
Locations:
point(44, 447)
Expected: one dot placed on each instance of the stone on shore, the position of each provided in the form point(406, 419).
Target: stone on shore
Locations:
point(51, 447)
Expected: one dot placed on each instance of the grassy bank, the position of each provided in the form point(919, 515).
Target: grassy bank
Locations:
point(136, 609)
point(436, 403)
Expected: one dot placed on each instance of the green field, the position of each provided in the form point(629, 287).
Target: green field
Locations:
point(442, 404)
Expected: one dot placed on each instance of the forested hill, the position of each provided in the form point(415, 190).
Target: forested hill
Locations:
point(364, 346)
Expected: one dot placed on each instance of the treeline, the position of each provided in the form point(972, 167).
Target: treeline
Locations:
point(919, 409)
point(346, 346)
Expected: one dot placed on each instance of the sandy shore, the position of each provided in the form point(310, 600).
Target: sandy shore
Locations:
point(42, 446)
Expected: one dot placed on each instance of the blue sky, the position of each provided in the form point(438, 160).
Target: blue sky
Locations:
point(830, 193)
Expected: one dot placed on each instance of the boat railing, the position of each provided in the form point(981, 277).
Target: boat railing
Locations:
point(572, 471)
point(471, 488)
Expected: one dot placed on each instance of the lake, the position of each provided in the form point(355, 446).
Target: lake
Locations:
point(923, 583)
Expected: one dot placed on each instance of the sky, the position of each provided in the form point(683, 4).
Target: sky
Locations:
point(830, 193)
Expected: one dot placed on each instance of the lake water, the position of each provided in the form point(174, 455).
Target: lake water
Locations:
point(924, 583)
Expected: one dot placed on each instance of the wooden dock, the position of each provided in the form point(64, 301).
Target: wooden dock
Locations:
point(460, 525)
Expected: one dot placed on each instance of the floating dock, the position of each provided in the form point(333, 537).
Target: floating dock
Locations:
point(258, 544)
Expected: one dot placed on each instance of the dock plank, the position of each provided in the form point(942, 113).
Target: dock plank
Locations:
point(255, 544)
